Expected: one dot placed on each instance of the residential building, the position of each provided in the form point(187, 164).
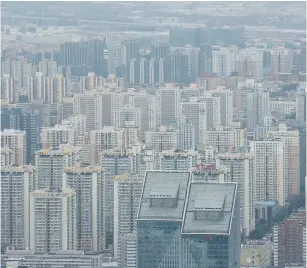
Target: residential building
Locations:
point(88, 183)
point(53, 220)
point(269, 170)
point(288, 238)
point(51, 162)
point(15, 140)
point(16, 185)
point(241, 170)
point(291, 140)
point(162, 140)
point(54, 136)
point(224, 139)
point(186, 134)
point(127, 195)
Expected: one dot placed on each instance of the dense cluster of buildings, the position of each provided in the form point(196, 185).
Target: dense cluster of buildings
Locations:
point(132, 152)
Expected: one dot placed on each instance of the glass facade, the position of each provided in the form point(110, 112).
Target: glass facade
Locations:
point(158, 244)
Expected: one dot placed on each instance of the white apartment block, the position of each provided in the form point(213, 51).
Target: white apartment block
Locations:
point(195, 112)
point(78, 124)
point(224, 60)
point(162, 140)
point(291, 140)
point(224, 139)
point(50, 163)
point(269, 170)
point(127, 195)
point(301, 107)
point(126, 114)
point(213, 110)
point(16, 185)
point(15, 140)
point(226, 105)
point(88, 184)
point(53, 220)
point(169, 104)
point(241, 170)
point(7, 89)
point(128, 257)
point(173, 160)
point(89, 105)
point(282, 106)
point(60, 259)
point(105, 139)
point(59, 134)
point(6, 157)
point(186, 134)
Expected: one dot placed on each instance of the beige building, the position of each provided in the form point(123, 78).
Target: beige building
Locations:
point(54, 136)
point(291, 140)
point(15, 140)
point(257, 253)
point(224, 139)
point(269, 170)
point(162, 140)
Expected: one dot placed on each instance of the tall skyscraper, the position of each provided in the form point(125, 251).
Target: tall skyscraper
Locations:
point(28, 121)
point(195, 111)
point(16, 185)
point(184, 224)
point(169, 104)
point(301, 106)
point(186, 134)
point(53, 220)
point(226, 105)
point(127, 196)
point(213, 110)
point(291, 140)
point(269, 170)
point(88, 182)
point(241, 170)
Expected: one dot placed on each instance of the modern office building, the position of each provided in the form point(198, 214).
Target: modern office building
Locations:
point(127, 196)
point(28, 121)
point(16, 141)
point(88, 184)
point(301, 106)
point(16, 185)
point(53, 220)
point(269, 170)
point(50, 163)
point(288, 239)
point(241, 170)
point(187, 224)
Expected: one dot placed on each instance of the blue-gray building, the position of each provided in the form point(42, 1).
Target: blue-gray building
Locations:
point(184, 224)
